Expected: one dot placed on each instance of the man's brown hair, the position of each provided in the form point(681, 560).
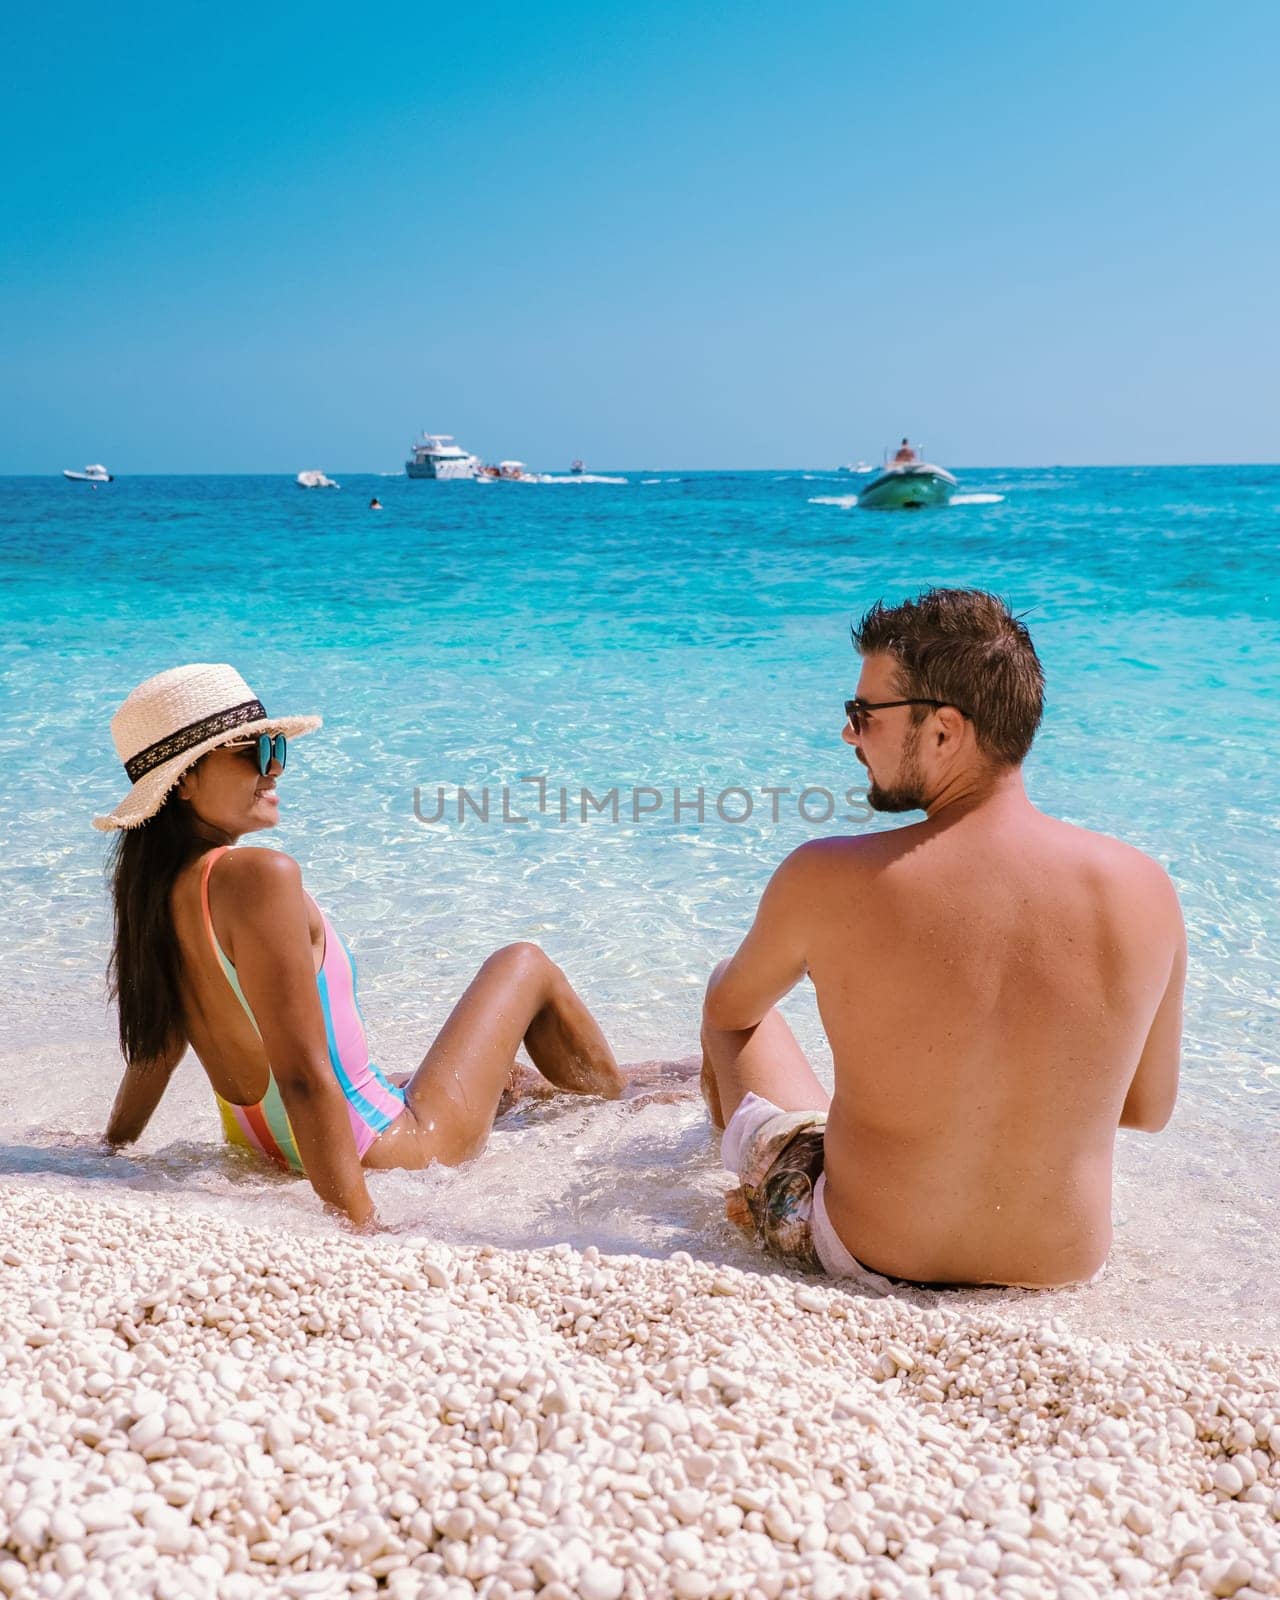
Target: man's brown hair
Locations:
point(963, 647)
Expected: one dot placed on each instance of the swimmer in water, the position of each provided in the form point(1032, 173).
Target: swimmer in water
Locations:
point(375, 504)
point(223, 949)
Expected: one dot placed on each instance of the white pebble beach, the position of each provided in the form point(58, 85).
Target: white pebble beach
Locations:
point(195, 1407)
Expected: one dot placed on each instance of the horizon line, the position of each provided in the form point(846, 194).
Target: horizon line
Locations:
point(960, 466)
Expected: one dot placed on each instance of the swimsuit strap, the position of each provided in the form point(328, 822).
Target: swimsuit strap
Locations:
point(223, 961)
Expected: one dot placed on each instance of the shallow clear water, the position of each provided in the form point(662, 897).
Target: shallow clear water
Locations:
point(684, 632)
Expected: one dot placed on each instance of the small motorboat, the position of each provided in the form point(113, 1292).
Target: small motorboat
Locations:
point(94, 474)
point(860, 468)
point(315, 479)
point(577, 466)
point(907, 486)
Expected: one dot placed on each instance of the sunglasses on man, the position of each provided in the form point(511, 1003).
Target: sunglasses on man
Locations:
point(268, 746)
point(856, 709)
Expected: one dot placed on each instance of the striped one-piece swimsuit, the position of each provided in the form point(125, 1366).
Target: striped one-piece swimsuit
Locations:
point(373, 1103)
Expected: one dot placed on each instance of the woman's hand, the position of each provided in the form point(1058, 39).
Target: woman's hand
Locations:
point(370, 1224)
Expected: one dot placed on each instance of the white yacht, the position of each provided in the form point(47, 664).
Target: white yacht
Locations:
point(94, 474)
point(437, 456)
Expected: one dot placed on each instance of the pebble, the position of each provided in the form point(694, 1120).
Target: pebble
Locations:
point(681, 1544)
point(600, 1581)
point(1228, 1478)
point(211, 1410)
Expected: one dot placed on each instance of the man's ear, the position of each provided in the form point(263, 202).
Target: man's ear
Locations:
point(952, 724)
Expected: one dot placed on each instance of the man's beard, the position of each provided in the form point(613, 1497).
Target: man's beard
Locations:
point(908, 793)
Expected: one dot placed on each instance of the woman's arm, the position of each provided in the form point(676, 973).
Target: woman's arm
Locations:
point(270, 945)
point(143, 1084)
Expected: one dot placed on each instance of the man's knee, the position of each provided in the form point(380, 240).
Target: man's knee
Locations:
point(717, 970)
point(708, 1027)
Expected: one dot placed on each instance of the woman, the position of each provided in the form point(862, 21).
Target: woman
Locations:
point(224, 950)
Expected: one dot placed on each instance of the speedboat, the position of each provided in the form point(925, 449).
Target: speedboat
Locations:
point(95, 474)
point(907, 486)
point(860, 468)
point(315, 479)
point(506, 472)
point(437, 456)
point(577, 466)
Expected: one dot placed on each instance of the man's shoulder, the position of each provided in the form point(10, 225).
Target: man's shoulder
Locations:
point(818, 862)
point(1113, 861)
point(845, 849)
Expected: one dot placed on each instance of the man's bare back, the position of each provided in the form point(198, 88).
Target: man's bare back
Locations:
point(988, 986)
point(1001, 991)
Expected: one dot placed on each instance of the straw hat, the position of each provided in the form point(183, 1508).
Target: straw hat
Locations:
point(173, 719)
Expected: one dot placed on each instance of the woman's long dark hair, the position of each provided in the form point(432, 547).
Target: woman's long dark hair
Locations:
point(143, 972)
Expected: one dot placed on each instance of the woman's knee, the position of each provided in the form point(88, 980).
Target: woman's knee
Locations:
point(522, 961)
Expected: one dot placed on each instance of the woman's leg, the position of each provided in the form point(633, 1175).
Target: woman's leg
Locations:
point(519, 995)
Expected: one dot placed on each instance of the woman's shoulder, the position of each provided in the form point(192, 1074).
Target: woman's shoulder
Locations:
point(259, 871)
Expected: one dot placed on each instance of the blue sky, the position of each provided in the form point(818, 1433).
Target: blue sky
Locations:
point(254, 239)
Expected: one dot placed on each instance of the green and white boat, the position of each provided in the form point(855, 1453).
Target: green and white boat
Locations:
point(907, 486)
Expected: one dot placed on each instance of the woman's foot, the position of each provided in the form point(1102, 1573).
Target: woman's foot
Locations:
point(647, 1083)
point(525, 1083)
point(642, 1083)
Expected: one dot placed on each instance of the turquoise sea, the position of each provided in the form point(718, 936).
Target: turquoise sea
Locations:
point(672, 631)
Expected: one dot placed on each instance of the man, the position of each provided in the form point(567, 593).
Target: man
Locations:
point(1001, 990)
point(905, 454)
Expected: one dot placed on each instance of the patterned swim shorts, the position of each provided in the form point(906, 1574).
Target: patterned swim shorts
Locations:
point(779, 1167)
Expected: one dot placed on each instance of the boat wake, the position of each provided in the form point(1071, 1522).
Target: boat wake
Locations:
point(576, 477)
point(847, 501)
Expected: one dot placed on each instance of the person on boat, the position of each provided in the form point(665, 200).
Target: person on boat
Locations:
point(375, 504)
point(1001, 991)
point(905, 455)
point(222, 949)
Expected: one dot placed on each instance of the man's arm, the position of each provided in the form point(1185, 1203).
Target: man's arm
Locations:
point(772, 958)
point(140, 1091)
point(1154, 1088)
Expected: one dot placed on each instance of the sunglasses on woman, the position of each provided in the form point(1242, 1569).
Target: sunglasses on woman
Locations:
point(268, 746)
point(856, 709)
